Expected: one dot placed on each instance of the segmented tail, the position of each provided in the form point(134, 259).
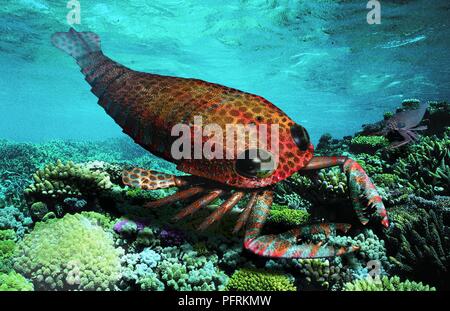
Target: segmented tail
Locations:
point(76, 44)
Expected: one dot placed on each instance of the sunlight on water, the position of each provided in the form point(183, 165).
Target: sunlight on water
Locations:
point(319, 61)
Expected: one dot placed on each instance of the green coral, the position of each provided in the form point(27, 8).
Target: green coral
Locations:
point(419, 245)
point(427, 166)
point(74, 252)
point(7, 247)
point(13, 281)
point(327, 187)
point(250, 279)
point(320, 272)
point(385, 284)
point(13, 218)
point(371, 247)
point(372, 164)
point(332, 182)
point(38, 210)
point(369, 144)
point(175, 268)
point(386, 180)
point(67, 180)
point(280, 214)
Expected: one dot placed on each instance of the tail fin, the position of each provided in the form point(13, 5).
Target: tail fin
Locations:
point(76, 44)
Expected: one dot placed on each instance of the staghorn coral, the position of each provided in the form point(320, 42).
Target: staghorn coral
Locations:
point(251, 279)
point(427, 166)
point(327, 187)
point(370, 246)
point(372, 164)
point(71, 253)
point(419, 245)
point(385, 284)
point(13, 281)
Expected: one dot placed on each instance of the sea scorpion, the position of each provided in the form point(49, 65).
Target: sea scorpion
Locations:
point(148, 106)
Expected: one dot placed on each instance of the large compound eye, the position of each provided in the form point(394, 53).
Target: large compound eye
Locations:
point(257, 163)
point(300, 136)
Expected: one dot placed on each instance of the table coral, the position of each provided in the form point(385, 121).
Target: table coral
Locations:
point(71, 253)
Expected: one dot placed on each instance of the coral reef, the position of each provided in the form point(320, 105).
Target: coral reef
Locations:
point(13, 281)
point(419, 245)
point(73, 252)
point(175, 268)
point(385, 284)
point(7, 246)
point(322, 274)
point(259, 280)
point(368, 144)
point(122, 246)
point(280, 214)
point(67, 180)
point(427, 166)
point(12, 218)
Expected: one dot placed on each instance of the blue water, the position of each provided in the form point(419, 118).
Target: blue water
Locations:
point(320, 61)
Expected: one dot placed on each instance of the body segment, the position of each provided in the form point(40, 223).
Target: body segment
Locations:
point(148, 107)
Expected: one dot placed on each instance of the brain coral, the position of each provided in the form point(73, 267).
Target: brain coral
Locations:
point(72, 253)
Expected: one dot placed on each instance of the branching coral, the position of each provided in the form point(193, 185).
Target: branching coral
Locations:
point(177, 268)
point(427, 166)
point(74, 252)
point(370, 246)
point(12, 218)
point(13, 281)
point(67, 180)
point(7, 247)
point(419, 245)
point(368, 144)
point(385, 284)
point(321, 273)
point(65, 187)
point(327, 187)
point(259, 280)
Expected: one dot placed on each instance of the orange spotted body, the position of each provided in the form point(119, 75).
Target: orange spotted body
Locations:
point(148, 107)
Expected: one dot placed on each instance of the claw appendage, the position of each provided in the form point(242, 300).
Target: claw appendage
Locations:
point(295, 243)
point(364, 195)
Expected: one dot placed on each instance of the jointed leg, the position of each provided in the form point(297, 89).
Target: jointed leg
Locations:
point(286, 245)
point(363, 193)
